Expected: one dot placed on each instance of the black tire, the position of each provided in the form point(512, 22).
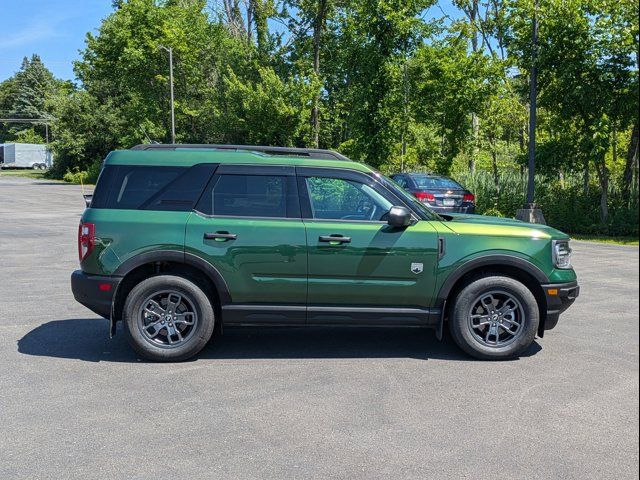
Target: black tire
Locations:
point(192, 294)
point(467, 337)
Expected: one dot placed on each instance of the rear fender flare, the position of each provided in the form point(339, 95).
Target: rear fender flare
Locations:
point(175, 256)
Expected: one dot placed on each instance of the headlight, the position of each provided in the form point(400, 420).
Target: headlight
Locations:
point(561, 254)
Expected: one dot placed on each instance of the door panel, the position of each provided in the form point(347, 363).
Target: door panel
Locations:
point(265, 263)
point(370, 263)
point(247, 225)
point(375, 267)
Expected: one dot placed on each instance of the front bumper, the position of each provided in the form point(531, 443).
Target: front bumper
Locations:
point(560, 296)
point(94, 291)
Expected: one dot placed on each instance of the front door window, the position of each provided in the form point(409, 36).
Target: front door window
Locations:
point(341, 199)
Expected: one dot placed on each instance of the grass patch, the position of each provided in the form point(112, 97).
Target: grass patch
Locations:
point(633, 241)
point(27, 173)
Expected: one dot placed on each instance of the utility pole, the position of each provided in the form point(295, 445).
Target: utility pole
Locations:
point(533, 109)
point(530, 212)
point(173, 118)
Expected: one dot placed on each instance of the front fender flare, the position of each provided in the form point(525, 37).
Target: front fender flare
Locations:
point(499, 259)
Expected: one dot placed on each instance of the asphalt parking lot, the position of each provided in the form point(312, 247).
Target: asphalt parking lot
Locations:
point(295, 403)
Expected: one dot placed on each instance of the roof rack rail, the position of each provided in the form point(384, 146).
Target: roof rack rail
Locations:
point(314, 153)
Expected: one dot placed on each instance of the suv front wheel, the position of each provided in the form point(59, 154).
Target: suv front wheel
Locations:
point(494, 318)
point(168, 318)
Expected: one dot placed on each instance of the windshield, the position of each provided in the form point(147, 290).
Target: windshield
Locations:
point(426, 213)
point(427, 182)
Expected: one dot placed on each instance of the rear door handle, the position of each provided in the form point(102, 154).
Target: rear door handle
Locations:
point(334, 239)
point(220, 236)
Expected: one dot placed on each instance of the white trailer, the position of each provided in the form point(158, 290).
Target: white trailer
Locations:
point(25, 155)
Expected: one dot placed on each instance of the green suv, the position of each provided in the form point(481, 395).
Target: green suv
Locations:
point(179, 241)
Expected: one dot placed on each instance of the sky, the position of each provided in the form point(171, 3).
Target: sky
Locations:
point(56, 29)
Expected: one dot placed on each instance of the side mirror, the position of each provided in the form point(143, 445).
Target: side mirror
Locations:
point(399, 217)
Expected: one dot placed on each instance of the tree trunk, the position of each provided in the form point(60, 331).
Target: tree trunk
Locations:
point(473, 16)
point(632, 162)
point(474, 150)
point(496, 175)
point(250, 9)
point(318, 26)
point(604, 199)
point(586, 179)
point(603, 177)
point(260, 21)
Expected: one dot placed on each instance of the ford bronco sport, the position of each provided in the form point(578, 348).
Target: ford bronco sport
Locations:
point(179, 241)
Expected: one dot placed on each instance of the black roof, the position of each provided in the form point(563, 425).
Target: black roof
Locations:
point(315, 153)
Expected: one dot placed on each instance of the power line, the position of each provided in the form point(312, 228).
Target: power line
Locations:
point(26, 120)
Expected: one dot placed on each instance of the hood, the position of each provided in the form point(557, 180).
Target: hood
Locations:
point(467, 218)
point(460, 223)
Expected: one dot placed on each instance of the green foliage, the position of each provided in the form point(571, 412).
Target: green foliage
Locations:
point(265, 111)
point(564, 203)
point(373, 79)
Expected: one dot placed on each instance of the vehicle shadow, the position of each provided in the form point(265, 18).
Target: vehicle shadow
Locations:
point(87, 339)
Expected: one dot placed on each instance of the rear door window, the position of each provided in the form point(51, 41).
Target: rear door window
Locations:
point(240, 195)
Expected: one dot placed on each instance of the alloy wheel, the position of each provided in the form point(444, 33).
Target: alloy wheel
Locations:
point(167, 319)
point(496, 319)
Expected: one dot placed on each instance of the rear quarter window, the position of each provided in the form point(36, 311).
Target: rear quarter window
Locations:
point(133, 187)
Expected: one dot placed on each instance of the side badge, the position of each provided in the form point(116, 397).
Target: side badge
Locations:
point(416, 268)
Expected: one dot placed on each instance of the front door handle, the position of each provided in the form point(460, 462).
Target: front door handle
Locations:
point(220, 236)
point(334, 239)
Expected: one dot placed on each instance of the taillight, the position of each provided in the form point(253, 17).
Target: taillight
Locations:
point(425, 197)
point(469, 197)
point(86, 239)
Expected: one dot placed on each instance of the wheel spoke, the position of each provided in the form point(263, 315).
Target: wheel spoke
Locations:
point(483, 320)
point(509, 306)
point(154, 329)
point(488, 301)
point(155, 309)
point(186, 318)
point(174, 332)
point(152, 312)
point(508, 330)
point(173, 301)
point(487, 335)
point(511, 322)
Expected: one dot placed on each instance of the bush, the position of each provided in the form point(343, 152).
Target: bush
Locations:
point(75, 177)
point(89, 176)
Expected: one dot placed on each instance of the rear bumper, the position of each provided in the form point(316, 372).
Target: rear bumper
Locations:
point(94, 291)
point(468, 209)
point(560, 296)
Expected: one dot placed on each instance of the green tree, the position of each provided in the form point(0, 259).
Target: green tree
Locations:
point(587, 71)
point(27, 95)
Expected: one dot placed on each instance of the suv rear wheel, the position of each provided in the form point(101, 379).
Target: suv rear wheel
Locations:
point(494, 318)
point(168, 318)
